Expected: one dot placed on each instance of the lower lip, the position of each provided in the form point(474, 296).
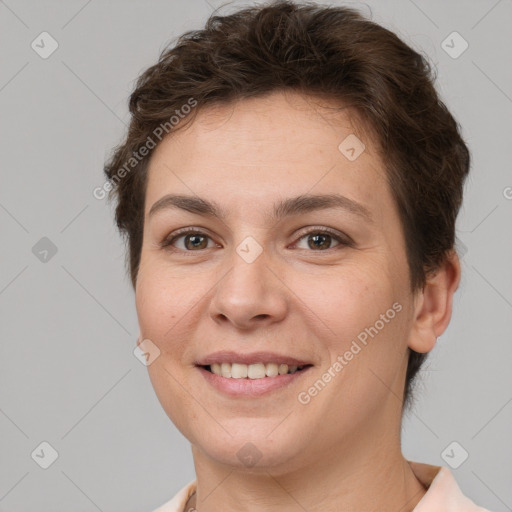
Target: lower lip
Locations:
point(250, 387)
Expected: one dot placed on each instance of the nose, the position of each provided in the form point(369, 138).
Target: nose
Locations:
point(250, 294)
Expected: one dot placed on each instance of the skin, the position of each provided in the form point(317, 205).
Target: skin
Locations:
point(340, 451)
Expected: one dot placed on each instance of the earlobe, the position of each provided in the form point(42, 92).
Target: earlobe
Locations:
point(434, 305)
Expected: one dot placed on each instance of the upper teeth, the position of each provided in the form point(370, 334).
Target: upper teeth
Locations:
point(252, 371)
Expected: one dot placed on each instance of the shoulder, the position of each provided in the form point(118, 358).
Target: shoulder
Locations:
point(443, 493)
point(178, 501)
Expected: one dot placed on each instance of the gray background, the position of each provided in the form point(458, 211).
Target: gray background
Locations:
point(68, 375)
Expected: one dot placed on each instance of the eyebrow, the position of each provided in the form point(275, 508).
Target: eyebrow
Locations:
point(287, 207)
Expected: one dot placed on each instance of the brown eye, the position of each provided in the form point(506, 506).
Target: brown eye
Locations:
point(196, 241)
point(192, 240)
point(321, 240)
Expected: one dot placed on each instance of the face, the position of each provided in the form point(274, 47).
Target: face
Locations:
point(320, 283)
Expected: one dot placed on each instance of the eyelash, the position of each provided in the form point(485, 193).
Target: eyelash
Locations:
point(344, 241)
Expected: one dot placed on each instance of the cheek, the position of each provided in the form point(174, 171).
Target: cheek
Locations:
point(363, 352)
point(169, 305)
point(359, 315)
point(163, 295)
point(348, 299)
point(160, 304)
point(156, 310)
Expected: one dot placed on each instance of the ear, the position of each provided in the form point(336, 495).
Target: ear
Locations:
point(433, 308)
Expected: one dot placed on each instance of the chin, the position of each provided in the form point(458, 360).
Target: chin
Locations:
point(251, 449)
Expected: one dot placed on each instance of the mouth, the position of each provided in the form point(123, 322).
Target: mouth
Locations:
point(249, 381)
point(253, 371)
point(249, 375)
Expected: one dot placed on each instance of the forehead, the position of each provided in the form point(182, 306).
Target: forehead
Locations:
point(279, 145)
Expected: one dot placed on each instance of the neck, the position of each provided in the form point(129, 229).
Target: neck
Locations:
point(371, 476)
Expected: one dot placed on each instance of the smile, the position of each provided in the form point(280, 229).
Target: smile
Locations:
point(252, 371)
point(256, 383)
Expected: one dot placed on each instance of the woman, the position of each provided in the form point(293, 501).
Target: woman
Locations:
point(289, 187)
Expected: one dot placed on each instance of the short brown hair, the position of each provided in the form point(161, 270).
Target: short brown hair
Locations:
point(317, 50)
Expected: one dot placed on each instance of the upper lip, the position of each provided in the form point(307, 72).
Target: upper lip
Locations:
point(251, 358)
